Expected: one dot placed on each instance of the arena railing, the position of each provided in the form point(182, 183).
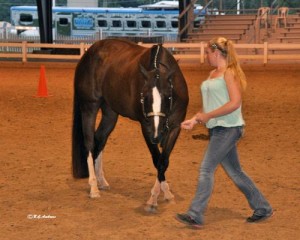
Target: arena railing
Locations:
point(261, 53)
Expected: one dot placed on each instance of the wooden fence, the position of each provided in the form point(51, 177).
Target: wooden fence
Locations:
point(264, 53)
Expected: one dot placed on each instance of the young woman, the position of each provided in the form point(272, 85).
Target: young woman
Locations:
point(222, 115)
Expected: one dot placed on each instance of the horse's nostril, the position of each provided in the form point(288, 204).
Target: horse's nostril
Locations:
point(155, 140)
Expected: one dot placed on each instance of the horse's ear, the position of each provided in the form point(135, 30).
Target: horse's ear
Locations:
point(143, 71)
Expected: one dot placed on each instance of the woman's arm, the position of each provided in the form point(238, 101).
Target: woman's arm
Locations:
point(235, 100)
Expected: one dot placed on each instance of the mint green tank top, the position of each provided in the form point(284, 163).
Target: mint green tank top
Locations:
point(214, 95)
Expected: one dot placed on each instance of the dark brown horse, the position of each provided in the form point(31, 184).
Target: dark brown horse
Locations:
point(143, 84)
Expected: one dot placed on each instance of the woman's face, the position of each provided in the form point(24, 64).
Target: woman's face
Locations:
point(211, 56)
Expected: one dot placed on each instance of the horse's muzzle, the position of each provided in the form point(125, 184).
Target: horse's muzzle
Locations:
point(156, 140)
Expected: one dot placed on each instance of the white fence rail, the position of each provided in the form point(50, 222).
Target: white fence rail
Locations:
point(193, 51)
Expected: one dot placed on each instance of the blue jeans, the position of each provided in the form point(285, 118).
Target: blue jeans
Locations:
point(222, 150)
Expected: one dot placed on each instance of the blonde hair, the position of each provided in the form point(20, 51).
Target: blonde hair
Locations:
point(226, 48)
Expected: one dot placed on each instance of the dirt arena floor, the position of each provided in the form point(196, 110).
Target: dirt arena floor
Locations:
point(39, 199)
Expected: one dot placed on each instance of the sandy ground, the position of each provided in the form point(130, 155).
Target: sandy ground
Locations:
point(39, 199)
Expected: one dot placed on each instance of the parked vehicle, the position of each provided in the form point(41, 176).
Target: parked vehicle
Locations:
point(159, 19)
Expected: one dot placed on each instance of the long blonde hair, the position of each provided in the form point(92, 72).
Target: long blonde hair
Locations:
point(226, 47)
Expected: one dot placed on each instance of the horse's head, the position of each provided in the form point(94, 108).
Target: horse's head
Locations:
point(157, 100)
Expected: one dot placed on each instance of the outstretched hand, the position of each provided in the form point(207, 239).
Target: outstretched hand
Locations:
point(189, 124)
point(200, 118)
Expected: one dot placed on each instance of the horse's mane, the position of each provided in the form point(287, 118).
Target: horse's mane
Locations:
point(161, 56)
point(155, 56)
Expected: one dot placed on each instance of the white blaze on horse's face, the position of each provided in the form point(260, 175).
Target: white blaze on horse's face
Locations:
point(156, 109)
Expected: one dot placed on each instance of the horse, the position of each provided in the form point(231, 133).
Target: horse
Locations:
point(119, 77)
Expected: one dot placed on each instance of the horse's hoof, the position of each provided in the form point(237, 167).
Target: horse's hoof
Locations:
point(151, 208)
point(95, 195)
point(170, 201)
point(105, 188)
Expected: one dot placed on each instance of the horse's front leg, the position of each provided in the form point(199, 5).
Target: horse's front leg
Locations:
point(162, 168)
point(155, 191)
point(152, 202)
point(167, 147)
point(161, 163)
point(168, 196)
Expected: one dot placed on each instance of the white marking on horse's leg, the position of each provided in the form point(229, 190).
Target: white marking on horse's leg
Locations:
point(154, 194)
point(102, 183)
point(166, 189)
point(156, 108)
point(92, 178)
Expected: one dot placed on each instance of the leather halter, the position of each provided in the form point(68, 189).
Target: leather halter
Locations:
point(157, 77)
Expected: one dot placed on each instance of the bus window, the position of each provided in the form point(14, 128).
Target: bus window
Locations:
point(174, 24)
point(145, 24)
point(160, 24)
point(116, 23)
point(102, 23)
point(131, 24)
point(26, 18)
point(63, 21)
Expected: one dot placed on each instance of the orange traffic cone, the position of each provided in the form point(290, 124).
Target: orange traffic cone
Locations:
point(42, 88)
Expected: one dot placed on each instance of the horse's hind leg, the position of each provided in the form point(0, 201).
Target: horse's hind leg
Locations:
point(106, 126)
point(102, 183)
point(89, 114)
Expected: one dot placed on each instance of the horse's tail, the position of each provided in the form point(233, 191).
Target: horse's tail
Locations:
point(79, 153)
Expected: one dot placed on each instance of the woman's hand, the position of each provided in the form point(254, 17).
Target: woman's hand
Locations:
point(202, 117)
point(189, 124)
